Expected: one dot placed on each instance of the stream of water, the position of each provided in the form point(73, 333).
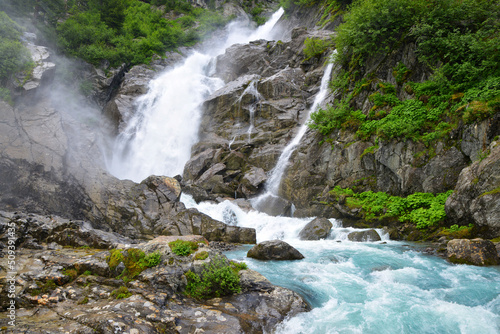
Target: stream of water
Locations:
point(369, 287)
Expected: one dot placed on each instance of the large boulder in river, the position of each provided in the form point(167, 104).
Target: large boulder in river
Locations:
point(274, 250)
point(319, 228)
point(361, 236)
point(478, 252)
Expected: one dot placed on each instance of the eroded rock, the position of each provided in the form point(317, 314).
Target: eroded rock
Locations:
point(477, 252)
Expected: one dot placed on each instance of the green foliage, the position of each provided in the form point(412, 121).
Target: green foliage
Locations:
point(183, 248)
point(134, 260)
point(121, 293)
point(14, 57)
point(315, 47)
point(71, 273)
point(422, 209)
point(201, 255)
point(217, 279)
point(456, 39)
point(87, 273)
point(132, 31)
point(153, 259)
point(458, 232)
point(237, 266)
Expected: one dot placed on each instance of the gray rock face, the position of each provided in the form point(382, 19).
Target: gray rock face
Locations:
point(362, 236)
point(316, 229)
point(476, 198)
point(247, 123)
point(478, 252)
point(274, 250)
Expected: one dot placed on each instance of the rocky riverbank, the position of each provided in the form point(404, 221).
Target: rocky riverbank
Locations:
point(61, 288)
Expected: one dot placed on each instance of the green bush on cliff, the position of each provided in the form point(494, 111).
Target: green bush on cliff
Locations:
point(14, 57)
point(456, 40)
point(218, 278)
point(422, 209)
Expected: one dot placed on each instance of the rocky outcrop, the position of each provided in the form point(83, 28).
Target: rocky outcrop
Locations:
point(316, 229)
point(476, 198)
point(74, 290)
point(274, 250)
point(363, 236)
point(477, 252)
point(51, 163)
point(247, 122)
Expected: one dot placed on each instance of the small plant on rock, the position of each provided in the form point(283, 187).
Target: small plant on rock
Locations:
point(121, 293)
point(182, 247)
point(218, 278)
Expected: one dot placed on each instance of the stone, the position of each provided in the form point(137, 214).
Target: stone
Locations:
point(477, 252)
point(476, 197)
point(274, 250)
point(363, 236)
point(317, 229)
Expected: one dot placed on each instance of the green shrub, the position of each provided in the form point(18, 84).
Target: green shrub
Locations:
point(183, 248)
point(315, 47)
point(217, 279)
point(422, 209)
point(121, 293)
point(134, 260)
point(14, 57)
point(153, 259)
point(201, 255)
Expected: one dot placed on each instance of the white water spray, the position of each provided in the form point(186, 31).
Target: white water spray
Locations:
point(276, 174)
point(157, 140)
point(251, 90)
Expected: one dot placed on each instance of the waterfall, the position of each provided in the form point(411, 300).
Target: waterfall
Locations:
point(271, 197)
point(251, 90)
point(157, 140)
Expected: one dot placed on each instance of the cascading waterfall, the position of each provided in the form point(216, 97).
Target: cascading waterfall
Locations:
point(276, 174)
point(251, 90)
point(157, 140)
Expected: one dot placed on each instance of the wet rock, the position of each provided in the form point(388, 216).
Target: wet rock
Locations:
point(274, 250)
point(477, 252)
point(362, 236)
point(273, 205)
point(319, 228)
point(476, 198)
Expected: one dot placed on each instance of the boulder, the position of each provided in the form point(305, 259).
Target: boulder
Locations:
point(274, 250)
point(319, 228)
point(362, 236)
point(477, 252)
point(273, 205)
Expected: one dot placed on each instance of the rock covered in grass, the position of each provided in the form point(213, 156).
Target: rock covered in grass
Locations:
point(274, 250)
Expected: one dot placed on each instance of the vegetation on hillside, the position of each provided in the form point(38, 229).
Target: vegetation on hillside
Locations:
point(14, 57)
point(121, 31)
point(421, 209)
point(456, 40)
